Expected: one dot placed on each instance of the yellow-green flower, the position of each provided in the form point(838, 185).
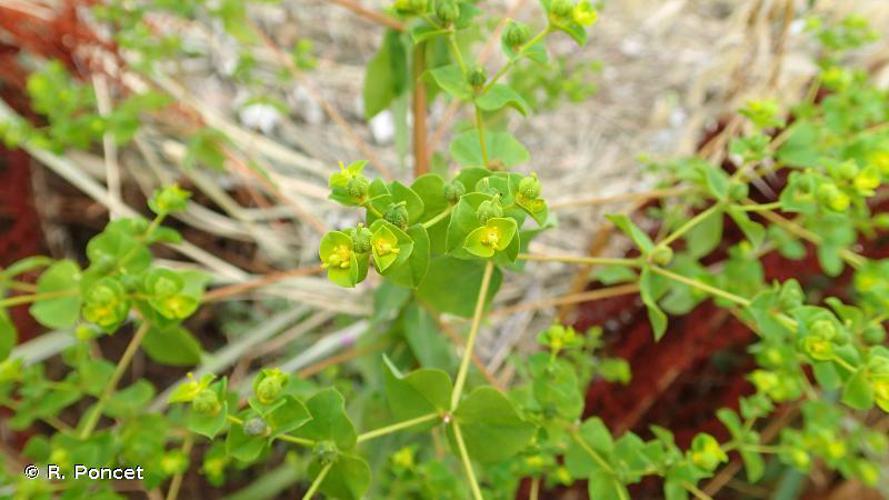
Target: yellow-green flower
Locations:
point(494, 236)
point(105, 304)
point(706, 453)
point(584, 14)
point(881, 393)
point(817, 348)
point(339, 259)
point(867, 180)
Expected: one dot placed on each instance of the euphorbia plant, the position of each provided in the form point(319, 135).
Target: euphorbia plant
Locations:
point(441, 245)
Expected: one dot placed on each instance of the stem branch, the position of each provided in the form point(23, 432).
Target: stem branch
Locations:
point(473, 331)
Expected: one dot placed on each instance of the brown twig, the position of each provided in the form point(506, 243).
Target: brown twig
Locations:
point(331, 111)
point(370, 15)
point(572, 298)
point(421, 155)
point(238, 288)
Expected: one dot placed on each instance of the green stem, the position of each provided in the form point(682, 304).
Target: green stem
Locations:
point(694, 221)
point(120, 369)
point(317, 482)
point(372, 209)
point(283, 437)
point(737, 299)
point(452, 41)
point(467, 464)
point(435, 220)
point(480, 126)
point(573, 259)
point(473, 331)
point(176, 482)
point(295, 440)
point(764, 206)
point(845, 364)
point(521, 52)
point(396, 427)
point(535, 489)
point(694, 490)
point(592, 453)
point(27, 299)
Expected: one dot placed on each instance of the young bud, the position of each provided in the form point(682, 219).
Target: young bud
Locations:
point(516, 34)
point(255, 426)
point(662, 255)
point(357, 188)
point(489, 209)
point(361, 239)
point(397, 214)
point(561, 8)
point(529, 187)
point(447, 11)
point(269, 385)
point(477, 77)
point(206, 403)
point(326, 451)
point(410, 7)
point(833, 198)
point(846, 170)
point(737, 191)
point(168, 200)
point(453, 191)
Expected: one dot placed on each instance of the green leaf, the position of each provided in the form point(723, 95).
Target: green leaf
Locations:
point(386, 76)
point(243, 447)
point(602, 484)
point(656, 317)
point(417, 393)
point(211, 425)
point(173, 346)
point(425, 32)
point(63, 280)
point(555, 385)
point(706, 235)
point(491, 427)
point(499, 96)
point(451, 80)
point(858, 392)
point(8, 335)
point(411, 273)
point(117, 249)
point(503, 149)
point(130, 401)
point(428, 344)
point(287, 415)
point(347, 479)
point(801, 147)
point(329, 420)
point(447, 274)
point(753, 231)
point(592, 446)
point(430, 189)
point(717, 181)
point(626, 225)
